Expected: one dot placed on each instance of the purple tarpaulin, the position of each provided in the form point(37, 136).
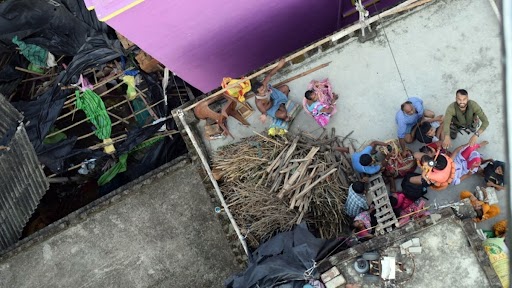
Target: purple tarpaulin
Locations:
point(203, 41)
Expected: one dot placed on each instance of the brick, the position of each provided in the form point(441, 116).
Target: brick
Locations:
point(406, 244)
point(330, 274)
point(336, 282)
point(415, 250)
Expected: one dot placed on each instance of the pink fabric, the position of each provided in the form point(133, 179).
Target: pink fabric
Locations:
point(366, 219)
point(403, 202)
point(325, 98)
point(321, 118)
point(414, 207)
point(471, 157)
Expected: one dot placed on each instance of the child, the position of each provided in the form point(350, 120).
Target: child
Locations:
point(320, 102)
point(493, 174)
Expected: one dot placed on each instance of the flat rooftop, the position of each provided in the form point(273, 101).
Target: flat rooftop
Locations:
point(436, 52)
point(451, 256)
point(160, 232)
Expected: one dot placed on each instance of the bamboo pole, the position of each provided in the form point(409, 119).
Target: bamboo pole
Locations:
point(71, 103)
point(131, 116)
point(413, 5)
point(28, 71)
point(142, 96)
point(39, 77)
point(303, 74)
point(101, 145)
point(117, 117)
point(84, 120)
point(98, 85)
point(403, 216)
point(268, 139)
point(336, 36)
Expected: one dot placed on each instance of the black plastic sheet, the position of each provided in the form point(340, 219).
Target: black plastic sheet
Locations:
point(137, 136)
point(41, 113)
point(281, 260)
point(60, 26)
point(157, 155)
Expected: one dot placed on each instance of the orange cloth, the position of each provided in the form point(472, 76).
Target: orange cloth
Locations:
point(500, 228)
point(442, 178)
point(489, 211)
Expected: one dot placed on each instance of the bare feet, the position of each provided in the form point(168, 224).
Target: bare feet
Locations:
point(483, 143)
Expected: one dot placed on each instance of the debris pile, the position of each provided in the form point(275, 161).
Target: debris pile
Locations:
point(95, 106)
point(272, 184)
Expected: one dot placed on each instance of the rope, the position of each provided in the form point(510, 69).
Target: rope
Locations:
point(391, 50)
point(396, 65)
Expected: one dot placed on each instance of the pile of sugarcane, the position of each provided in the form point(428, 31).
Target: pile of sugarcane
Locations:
point(272, 184)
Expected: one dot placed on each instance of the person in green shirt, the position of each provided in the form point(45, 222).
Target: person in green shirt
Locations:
point(463, 114)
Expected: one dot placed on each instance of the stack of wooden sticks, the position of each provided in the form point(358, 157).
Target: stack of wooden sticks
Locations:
point(272, 184)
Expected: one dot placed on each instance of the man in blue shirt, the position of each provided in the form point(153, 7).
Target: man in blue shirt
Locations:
point(410, 114)
point(356, 201)
point(362, 161)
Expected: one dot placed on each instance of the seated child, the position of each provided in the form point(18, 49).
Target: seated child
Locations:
point(493, 174)
point(363, 224)
point(320, 102)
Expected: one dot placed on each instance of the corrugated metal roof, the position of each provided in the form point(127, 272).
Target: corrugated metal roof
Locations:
point(10, 119)
point(22, 181)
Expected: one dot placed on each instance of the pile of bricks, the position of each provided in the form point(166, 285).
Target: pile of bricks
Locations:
point(332, 278)
point(412, 246)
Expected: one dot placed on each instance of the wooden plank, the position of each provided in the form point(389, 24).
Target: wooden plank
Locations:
point(302, 74)
point(306, 190)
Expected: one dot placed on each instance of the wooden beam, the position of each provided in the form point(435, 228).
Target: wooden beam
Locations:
point(303, 74)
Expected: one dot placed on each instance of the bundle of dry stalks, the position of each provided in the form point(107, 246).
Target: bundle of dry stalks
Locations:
point(272, 184)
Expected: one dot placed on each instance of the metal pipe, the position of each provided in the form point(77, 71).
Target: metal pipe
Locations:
point(181, 115)
point(507, 90)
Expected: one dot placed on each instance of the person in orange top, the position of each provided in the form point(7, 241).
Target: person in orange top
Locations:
point(483, 210)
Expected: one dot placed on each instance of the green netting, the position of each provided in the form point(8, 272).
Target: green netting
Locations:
point(146, 143)
point(95, 110)
point(33, 53)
